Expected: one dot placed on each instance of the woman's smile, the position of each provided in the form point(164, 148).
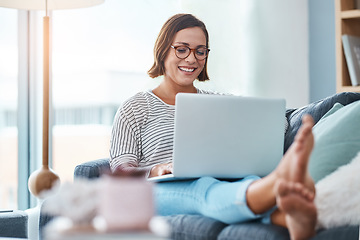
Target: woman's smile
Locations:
point(187, 69)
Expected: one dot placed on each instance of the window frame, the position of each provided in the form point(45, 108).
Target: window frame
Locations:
point(23, 111)
point(29, 113)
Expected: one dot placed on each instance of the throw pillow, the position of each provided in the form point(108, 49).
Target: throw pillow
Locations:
point(336, 107)
point(337, 196)
point(337, 140)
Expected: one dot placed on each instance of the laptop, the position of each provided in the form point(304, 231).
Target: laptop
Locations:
point(226, 136)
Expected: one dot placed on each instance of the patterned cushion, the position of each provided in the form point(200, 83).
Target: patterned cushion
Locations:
point(316, 110)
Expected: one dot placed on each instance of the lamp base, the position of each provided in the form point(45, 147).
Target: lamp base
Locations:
point(41, 180)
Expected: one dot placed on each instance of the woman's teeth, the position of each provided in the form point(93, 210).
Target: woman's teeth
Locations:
point(187, 69)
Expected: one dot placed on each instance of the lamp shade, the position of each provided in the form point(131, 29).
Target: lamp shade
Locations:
point(51, 4)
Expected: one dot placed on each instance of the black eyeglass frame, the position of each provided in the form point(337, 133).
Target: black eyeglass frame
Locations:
point(191, 50)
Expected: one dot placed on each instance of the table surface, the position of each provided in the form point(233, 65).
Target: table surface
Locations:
point(105, 236)
point(59, 230)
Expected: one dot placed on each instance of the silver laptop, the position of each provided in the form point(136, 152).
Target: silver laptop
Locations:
point(226, 136)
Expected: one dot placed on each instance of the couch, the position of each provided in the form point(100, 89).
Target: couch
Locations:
point(199, 227)
point(14, 224)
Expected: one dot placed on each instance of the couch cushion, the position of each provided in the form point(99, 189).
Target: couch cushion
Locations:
point(261, 231)
point(316, 110)
point(347, 232)
point(254, 230)
point(14, 224)
point(186, 227)
point(337, 140)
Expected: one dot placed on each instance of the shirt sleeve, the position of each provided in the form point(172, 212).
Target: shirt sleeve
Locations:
point(125, 139)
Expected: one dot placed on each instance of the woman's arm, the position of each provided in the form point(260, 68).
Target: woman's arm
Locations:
point(130, 151)
point(125, 142)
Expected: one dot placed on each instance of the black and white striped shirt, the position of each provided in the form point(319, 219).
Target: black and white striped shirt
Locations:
point(143, 132)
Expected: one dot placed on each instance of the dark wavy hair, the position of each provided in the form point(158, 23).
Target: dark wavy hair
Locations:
point(164, 40)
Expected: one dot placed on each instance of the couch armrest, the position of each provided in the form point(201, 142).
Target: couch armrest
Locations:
point(14, 224)
point(92, 169)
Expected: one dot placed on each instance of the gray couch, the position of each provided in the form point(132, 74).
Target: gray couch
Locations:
point(14, 224)
point(199, 227)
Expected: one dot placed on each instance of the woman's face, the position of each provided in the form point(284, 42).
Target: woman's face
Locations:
point(183, 72)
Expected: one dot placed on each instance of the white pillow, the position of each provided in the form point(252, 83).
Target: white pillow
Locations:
point(338, 196)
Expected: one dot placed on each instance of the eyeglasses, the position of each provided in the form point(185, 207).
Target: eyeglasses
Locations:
point(183, 52)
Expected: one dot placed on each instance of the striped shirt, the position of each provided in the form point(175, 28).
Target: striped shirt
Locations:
point(143, 132)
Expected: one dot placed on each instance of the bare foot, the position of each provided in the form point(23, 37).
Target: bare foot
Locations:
point(294, 165)
point(297, 203)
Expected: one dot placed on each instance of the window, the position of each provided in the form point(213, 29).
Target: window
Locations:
point(8, 109)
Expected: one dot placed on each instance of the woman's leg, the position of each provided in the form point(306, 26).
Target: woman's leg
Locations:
point(290, 187)
point(224, 201)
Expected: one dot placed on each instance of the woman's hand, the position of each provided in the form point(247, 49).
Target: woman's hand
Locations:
point(161, 169)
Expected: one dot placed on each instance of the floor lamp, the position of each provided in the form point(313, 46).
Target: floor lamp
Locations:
point(44, 178)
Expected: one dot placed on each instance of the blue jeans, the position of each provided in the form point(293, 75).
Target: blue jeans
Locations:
point(207, 196)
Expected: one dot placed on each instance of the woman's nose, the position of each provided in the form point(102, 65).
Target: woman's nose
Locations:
point(191, 58)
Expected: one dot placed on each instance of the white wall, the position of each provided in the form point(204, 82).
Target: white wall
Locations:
point(274, 41)
point(322, 56)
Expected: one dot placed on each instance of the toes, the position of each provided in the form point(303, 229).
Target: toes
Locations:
point(304, 131)
point(283, 188)
point(308, 119)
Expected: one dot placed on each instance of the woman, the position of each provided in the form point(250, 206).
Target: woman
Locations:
point(142, 140)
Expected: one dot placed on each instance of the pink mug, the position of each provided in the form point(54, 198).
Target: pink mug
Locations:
point(126, 204)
